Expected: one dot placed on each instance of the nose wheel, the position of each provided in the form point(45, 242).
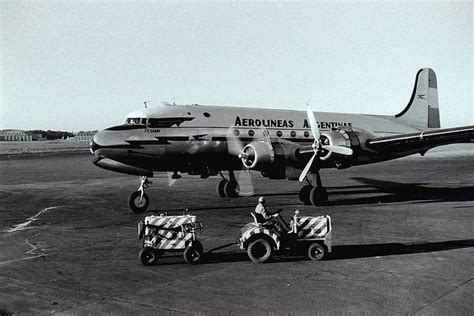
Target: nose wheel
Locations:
point(138, 201)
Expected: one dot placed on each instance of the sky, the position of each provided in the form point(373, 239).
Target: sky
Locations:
point(85, 65)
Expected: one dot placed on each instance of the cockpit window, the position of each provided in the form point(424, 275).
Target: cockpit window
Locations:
point(135, 121)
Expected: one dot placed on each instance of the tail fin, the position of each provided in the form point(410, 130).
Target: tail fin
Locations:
point(422, 110)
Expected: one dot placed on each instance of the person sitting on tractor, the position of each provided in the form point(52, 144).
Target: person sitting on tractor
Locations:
point(265, 218)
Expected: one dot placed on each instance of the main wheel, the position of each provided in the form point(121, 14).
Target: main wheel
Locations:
point(149, 256)
point(260, 250)
point(318, 196)
point(220, 188)
point(136, 205)
point(231, 189)
point(304, 194)
point(193, 253)
point(316, 251)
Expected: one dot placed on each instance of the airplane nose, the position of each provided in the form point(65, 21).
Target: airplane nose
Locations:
point(93, 146)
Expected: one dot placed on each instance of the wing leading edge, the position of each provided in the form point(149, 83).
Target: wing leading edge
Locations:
point(421, 141)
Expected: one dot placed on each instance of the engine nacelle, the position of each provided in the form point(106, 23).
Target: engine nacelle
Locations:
point(334, 138)
point(353, 138)
point(257, 155)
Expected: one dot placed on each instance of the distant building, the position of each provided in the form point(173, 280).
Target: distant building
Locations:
point(14, 135)
point(39, 137)
point(85, 135)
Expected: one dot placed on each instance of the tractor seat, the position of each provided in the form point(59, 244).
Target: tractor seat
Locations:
point(260, 221)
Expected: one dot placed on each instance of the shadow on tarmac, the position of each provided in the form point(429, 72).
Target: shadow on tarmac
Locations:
point(343, 252)
point(396, 192)
point(180, 211)
point(401, 192)
point(390, 249)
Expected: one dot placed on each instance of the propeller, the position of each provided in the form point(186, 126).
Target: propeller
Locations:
point(318, 145)
point(236, 148)
point(173, 177)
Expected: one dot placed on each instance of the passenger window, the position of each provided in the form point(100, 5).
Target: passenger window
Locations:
point(306, 134)
point(236, 132)
point(293, 134)
point(279, 134)
point(251, 133)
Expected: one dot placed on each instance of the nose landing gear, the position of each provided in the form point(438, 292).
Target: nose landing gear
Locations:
point(138, 201)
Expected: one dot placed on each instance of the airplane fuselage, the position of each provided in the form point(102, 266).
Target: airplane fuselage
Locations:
point(194, 138)
point(281, 144)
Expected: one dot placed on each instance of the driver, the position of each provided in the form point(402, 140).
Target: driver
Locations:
point(264, 217)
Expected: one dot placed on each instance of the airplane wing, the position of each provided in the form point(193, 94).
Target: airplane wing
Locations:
point(422, 140)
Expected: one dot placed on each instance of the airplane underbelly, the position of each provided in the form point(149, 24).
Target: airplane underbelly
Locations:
point(194, 148)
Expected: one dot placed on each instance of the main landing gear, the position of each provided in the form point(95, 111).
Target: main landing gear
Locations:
point(139, 200)
point(314, 195)
point(228, 188)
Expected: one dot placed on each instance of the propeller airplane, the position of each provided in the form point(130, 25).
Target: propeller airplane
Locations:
point(281, 144)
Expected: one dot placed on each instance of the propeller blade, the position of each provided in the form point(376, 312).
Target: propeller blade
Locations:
point(266, 135)
point(171, 181)
point(339, 150)
point(313, 123)
point(245, 183)
point(308, 166)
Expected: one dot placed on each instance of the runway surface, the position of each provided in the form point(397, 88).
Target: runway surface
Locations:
point(403, 240)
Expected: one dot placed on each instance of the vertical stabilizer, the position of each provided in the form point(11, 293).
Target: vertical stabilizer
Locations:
point(422, 110)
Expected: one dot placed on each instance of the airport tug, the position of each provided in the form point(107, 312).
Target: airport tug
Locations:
point(310, 236)
point(165, 233)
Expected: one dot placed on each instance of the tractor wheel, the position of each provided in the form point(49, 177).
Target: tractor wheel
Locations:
point(316, 251)
point(136, 205)
point(260, 250)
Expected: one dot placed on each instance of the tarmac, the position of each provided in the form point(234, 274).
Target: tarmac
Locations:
point(403, 242)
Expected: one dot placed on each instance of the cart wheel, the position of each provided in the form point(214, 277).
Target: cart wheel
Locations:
point(193, 254)
point(316, 251)
point(259, 250)
point(197, 244)
point(149, 256)
point(135, 204)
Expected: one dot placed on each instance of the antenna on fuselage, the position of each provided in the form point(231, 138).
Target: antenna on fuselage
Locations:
point(148, 101)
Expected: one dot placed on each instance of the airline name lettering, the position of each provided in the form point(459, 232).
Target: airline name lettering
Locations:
point(265, 122)
point(249, 122)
